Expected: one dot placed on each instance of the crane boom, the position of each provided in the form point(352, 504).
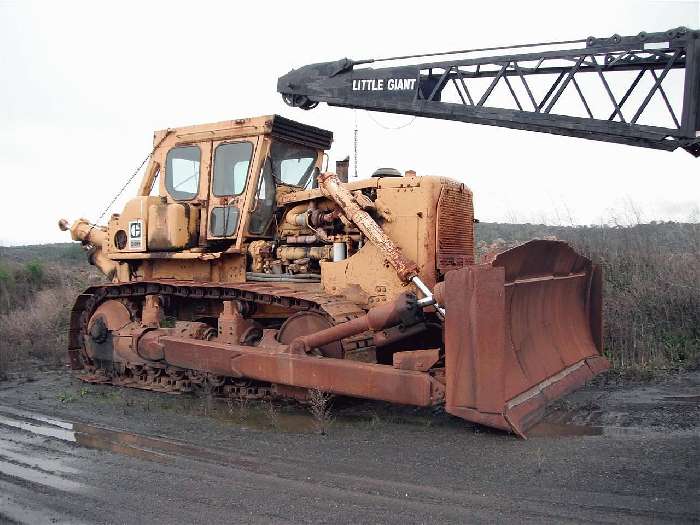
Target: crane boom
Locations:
point(638, 90)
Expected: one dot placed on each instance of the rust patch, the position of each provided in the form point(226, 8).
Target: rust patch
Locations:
point(419, 360)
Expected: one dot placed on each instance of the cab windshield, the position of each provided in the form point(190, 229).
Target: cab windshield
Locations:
point(291, 164)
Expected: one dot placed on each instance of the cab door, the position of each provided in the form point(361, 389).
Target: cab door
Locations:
point(230, 172)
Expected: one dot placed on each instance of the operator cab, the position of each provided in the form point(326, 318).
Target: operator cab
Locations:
point(209, 187)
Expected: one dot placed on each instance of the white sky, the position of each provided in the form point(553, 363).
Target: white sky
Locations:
point(85, 84)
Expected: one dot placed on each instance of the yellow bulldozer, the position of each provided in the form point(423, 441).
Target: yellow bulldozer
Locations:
point(244, 267)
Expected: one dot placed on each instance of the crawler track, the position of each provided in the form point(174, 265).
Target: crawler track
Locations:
point(164, 378)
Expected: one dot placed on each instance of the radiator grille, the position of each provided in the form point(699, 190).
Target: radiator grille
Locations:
point(455, 228)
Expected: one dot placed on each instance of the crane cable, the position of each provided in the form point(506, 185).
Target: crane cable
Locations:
point(461, 51)
point(390, 128)
point(383, 126)
point(133, 175)
point(354, 163)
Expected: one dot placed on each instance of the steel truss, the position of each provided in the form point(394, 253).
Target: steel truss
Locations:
point(612, 106)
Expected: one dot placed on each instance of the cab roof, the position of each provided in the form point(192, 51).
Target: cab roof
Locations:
point(274, 125)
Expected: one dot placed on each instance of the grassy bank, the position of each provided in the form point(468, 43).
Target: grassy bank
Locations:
point(38, 285)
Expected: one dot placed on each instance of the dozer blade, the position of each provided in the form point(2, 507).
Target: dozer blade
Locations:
point(520, 332)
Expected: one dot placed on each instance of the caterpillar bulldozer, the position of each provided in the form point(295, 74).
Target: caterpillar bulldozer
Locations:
point(241, 267)
point(244, 267)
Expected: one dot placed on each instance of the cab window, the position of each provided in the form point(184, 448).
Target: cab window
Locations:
point(223, 221)
point(231, 162)
point(182, 172)
point(292, 164)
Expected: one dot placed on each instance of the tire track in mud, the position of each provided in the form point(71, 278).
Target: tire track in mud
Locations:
point(55, 459)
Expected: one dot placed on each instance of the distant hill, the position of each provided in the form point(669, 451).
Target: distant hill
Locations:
point(61, 252)
point(669, 237)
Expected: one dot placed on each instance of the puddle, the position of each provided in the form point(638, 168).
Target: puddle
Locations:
point(149, 448)
point(546, 429)
point(138, 446)
point(263, 418)
point(260, 415)
point(81, 434)
point(84, 435)
point(296, 418)
point(118, 442)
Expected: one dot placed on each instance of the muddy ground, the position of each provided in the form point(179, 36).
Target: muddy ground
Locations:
point(73, 453)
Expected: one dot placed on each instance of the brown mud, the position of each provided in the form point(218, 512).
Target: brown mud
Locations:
point(72, 452)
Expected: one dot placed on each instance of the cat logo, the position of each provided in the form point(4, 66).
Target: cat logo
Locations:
point(135, 234)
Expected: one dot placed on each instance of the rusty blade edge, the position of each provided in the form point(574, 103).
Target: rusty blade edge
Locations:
point(540, 395)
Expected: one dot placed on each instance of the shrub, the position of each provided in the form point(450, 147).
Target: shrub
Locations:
point(35, 273)
point(320, 408)
point(38, 330)
point(35, 302)
point(19, 282)
point(651, 281)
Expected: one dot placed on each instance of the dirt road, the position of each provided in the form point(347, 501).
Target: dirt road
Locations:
point(73, 453)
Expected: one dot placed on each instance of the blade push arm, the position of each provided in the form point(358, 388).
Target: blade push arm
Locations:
point(626, 90)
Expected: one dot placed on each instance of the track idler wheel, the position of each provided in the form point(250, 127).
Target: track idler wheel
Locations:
point(110, 317)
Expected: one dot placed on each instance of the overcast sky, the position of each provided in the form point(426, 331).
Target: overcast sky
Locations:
point(84, 85)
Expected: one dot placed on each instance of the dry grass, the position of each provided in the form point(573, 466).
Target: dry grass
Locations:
point(238, 407)
point(651, 308)
point(20, 282)
point(35, 303)
point(320, 408)
point(651, 303)
point(272, 413)
point(38, 330)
